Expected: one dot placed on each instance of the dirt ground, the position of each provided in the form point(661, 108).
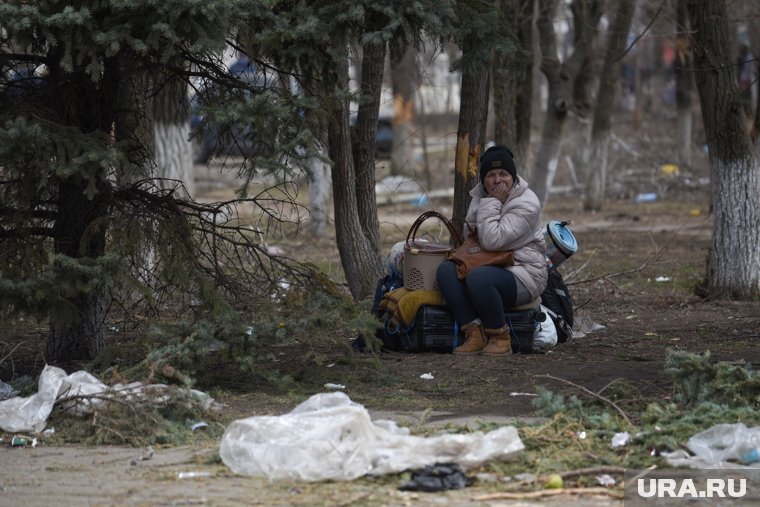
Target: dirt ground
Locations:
point(633, 279)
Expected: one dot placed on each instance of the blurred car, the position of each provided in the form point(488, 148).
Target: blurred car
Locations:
point(236, 140)
point(383, 135)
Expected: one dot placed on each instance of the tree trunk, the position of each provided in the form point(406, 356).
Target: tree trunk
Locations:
point(473, 112)
point(560, 77)
point(684, 86)
point(512, 82)
point(171, 132)
point(583, 82)
point(524, 85)
point(734, 259)
point(360, 261)
point(363, 143)
point(605, 98)
point(405, 83)
point(319, 190)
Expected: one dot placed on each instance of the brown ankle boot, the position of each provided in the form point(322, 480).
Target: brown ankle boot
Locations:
point(474, 340)
point(498, 341)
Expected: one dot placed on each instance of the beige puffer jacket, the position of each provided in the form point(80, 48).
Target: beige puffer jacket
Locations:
point(514, 225)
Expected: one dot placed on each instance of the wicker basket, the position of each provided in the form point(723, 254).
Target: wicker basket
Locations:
point(421, 258)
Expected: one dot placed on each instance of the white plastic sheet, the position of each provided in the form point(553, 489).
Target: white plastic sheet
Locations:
point(329, 437)
point(723, 446)
point(30, 414)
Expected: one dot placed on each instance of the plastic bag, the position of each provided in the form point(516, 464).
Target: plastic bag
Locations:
point(329, 437)
point(545, 336)
point(722, 446)
point(30, 414)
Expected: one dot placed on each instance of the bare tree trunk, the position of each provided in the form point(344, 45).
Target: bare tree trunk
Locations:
point(524, 86)
point(171, 128)
point(734, 261)
point(583, 82)
point(359, 258)
point(684, 86)
point(560, 77)
point(319, 190)
point(605, 98)
point(404, 81)
point(512, 83)
point(472, 124)
point(363, 143)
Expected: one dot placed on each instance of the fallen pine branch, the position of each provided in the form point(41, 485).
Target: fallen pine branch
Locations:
point(591, 393)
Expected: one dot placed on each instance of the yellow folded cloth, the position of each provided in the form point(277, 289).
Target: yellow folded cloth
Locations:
point(399, 307)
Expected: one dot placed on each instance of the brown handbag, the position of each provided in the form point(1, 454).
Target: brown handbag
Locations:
point(470, 255)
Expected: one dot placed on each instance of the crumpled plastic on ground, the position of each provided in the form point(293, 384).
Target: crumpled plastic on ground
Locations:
point(438, 477)
point(723, 446)
point(30, 414)
point(330, 437)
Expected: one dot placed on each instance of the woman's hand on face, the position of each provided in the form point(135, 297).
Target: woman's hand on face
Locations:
point(500, 191)
point(498, 183)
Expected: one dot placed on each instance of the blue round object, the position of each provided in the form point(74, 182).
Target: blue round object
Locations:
point(562, 237)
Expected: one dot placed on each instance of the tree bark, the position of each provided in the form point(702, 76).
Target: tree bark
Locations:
point(560, 77)
point(512, 83)
point(734, 259)
point(684, 86)
point(319, 190)
point(171, 132)
point(605, 98)
point(404, 82)
point(473, 112)
point(373, 61)
point(360, 261)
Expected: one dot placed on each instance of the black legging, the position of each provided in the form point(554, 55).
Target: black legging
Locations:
point(485, 293)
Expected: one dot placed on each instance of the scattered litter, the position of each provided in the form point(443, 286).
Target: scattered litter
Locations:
point(620, 439)
point(723, 446)
point(19, 441)
point(522, 394)
point(695, 212)
point(647, 197)
point(427, 376)
point(582, 435)
point(34, 442)
point(670, 169)
point(337, 440)
point(331, 365)
point(334, 386)
point(662, 279)
point(193, 475)
point(606, 480)
point(198, 425)
point(249, 330)
point(525, 477)
point(49, 431)
point(82, 392)
point(438, 477)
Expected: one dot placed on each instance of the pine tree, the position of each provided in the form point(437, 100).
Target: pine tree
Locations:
point(79, 200)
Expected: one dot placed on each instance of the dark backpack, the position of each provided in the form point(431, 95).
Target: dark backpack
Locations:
point(556, 298)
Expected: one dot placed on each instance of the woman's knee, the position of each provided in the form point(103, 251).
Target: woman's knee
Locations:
point(446, 270)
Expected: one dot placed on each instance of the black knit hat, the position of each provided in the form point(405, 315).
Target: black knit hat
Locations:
point(497, 157)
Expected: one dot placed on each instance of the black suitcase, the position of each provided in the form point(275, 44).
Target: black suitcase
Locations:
point(433, 330)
